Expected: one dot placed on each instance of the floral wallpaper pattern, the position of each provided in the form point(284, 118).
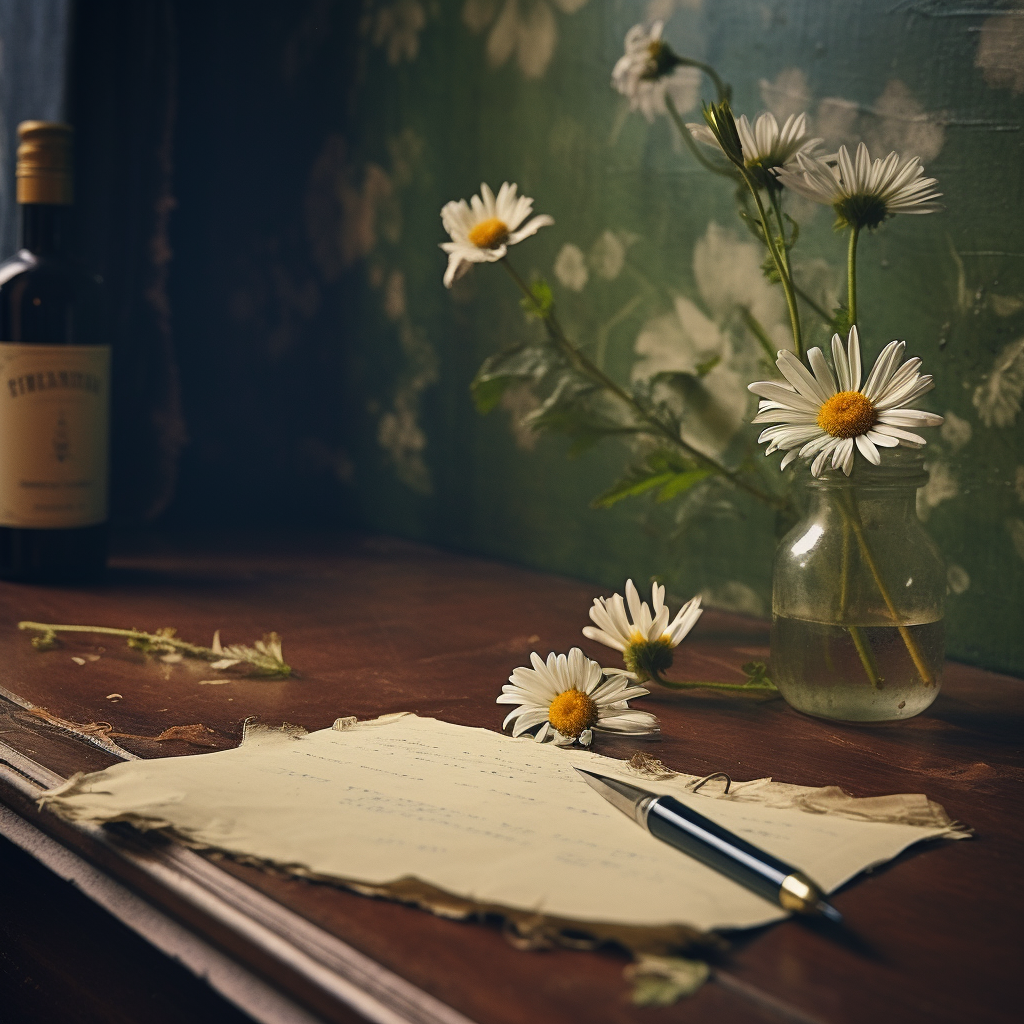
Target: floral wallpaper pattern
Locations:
point(652, 271)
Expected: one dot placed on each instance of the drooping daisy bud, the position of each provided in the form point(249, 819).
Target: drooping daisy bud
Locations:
point(647, 643)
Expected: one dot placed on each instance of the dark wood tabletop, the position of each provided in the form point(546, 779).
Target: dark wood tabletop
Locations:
point(376, 625)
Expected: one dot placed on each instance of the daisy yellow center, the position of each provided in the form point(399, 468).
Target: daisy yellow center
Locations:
point(862, 210)
point(847, 414)
point(489, 234)
point(647, 658)
point(571, 712)
point(660, 60)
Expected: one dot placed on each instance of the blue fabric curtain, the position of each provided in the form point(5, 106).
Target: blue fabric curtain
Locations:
point(34, 48)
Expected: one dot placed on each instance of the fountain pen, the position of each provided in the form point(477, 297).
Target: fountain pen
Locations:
point(679, 826)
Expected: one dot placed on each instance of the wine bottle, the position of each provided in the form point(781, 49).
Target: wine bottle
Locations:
point(54, 381)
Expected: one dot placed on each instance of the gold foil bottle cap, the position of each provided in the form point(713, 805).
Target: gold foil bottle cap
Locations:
point(44, 163)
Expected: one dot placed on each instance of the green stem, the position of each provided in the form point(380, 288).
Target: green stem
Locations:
point(581, 364)
point(851, 275)
point(605, 329)
point(773, 195)
point(692, 143)
point(859, 641)
point(825, 316)
point(261, 666)
point(131, 634)
point(780, 266)
point(691, 685)
point(866, 657)
point(908, 639)
point(757, 330)
point(723, 90)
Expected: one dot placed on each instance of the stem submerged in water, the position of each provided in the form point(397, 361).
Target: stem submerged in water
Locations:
point(858, 638)
point(908, 639)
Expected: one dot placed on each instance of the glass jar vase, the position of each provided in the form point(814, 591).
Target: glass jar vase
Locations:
point(857, 597)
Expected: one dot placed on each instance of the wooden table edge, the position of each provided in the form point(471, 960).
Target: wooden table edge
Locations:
point(269, 961)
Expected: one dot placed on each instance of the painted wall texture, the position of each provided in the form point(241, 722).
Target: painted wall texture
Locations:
point(338, 295)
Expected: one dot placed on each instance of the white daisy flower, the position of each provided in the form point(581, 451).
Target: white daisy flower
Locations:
point(863, 193)
point(766, 147)
point(569, 697)
point(815, 417)
point(648, 641)
point(483, 229)
point(649, 69)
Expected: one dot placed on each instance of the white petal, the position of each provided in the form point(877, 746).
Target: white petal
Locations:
point(903, 435)
point(882, 371)
point(789, 457)
point(800, 377)
point(853, 357)
point(531, 228)
point(842, 364)
point(882, 440)
point(868, 450)
point(910, 418)
point(635, 606)
point(593, 633)
point(784, 396)
point(822, 373)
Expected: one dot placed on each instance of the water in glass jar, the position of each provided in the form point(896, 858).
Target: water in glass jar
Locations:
point(863, 674)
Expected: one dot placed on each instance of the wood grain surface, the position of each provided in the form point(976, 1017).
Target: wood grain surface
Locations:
point(376, 625)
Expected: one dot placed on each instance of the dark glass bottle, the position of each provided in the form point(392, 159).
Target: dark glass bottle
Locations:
point(54, 382)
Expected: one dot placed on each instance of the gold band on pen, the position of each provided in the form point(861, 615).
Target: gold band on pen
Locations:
point(797, 892)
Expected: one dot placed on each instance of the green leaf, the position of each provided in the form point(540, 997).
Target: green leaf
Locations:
point(682, 482)
point(703, 369)
point(542, 299)
point(503, 369)
point(796, 231)
point(841, 320)
point(487, 392)
point(757, 675)
point(667, 470)
point(629, 487)
point(770, 270)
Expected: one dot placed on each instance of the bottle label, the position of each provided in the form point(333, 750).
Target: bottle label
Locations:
point(54, 427)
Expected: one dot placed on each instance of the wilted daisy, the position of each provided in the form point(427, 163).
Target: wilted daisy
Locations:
point(648, 69)
point(816, 417)
point(266, 655)
point(766, 147)
point(648, 641)
point(569, 697)
point(863, 193)
point(483, 229)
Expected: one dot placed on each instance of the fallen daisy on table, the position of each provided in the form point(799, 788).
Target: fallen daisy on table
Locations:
point(646, 642)
point(570, 698)
point(814, 416)
point(483, 229)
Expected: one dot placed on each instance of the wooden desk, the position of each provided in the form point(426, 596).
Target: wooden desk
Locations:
point(374, 626)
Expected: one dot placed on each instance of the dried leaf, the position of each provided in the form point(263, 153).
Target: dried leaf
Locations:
point(663, 980)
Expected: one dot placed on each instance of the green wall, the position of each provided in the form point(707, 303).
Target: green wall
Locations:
point(449, 93)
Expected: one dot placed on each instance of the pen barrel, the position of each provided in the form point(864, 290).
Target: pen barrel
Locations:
point(718, 848)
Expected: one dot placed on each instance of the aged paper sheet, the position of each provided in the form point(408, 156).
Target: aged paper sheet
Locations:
point(485, 817)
